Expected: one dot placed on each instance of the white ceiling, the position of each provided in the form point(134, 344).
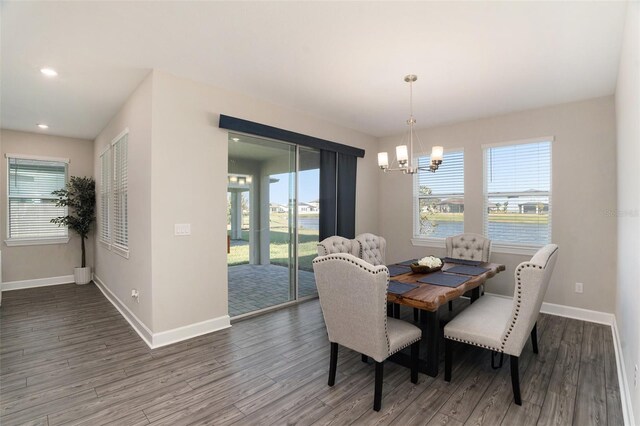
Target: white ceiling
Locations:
point(342, 61)
point(257, 149)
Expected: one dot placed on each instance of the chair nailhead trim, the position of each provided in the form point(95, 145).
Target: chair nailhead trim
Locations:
point(518, 302)
point(402, 347)
point(473, 343)
point(386, 332)
point(343, 257)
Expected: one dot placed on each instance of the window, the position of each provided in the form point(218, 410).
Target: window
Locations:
point(113, 226)
point(120, 227)
point(105, 194)
point(517, 193)
point(439, 197)
point(31, 206)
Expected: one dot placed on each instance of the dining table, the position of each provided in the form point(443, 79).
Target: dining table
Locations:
point(428, 298)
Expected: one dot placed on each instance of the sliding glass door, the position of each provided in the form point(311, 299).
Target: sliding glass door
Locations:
point(308, 218)
point(272, 236)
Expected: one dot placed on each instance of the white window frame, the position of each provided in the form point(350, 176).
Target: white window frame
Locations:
point(11, 242)
point(105, 171)
point(421, 241)
point(503, 246)
point(112, 174)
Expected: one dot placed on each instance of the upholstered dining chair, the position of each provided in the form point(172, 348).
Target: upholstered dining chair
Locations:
point(353, 298)
point(504, 325)
point(336, 244)
point(370, 248)
point(469, 247)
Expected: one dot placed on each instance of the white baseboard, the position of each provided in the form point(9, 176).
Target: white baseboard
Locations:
point(578, 313)
point(571, 312)
point(625, 395)
point(143, 331)
point(179, 334)
point(163, 338)
point(39, 282)
point(600, 318)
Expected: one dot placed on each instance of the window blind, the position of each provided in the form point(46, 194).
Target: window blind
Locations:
point(517, 186)
point(31, 204)
point(120, 225)
point(439, 197)
point(105, 193)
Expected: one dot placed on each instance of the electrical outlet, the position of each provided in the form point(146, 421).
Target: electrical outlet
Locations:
point(136, 295)
point(579, 287)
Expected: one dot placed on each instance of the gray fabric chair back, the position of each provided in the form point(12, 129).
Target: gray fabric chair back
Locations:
point(370, 248)
point(469, 246)
point(532, 280)
point(336, 244)
point(353, 297)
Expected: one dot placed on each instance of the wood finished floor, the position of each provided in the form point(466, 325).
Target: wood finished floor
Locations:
point(68, 357)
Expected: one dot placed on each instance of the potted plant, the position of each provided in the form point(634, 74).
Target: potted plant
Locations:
point(80, 197)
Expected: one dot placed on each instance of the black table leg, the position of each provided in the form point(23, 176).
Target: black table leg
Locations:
point(432, 334)
point(475, 294)
point(430, 325)
point(423, 317)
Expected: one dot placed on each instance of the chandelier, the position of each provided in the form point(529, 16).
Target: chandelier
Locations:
point(404, 153)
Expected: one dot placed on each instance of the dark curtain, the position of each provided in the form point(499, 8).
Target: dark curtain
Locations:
point(346, 196)
point(337, 194)
point(327, 194)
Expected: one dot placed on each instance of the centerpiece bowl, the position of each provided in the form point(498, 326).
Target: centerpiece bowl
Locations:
point(421, 269)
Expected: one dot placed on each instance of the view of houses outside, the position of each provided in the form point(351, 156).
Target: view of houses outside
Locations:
point(517, 184)
point(308, 223)
point(518, 190)
point(519, 219)
point(441, 197)
point(308, 229)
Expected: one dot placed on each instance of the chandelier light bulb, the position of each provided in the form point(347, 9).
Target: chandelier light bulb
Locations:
point(383, 160)
point(402, 154)
point(436, 153)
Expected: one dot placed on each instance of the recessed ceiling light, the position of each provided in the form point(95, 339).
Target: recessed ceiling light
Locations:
point(43, 126)
point(235, 139)
point(49, 72)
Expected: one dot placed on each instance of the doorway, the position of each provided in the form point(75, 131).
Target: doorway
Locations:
point(272, 223)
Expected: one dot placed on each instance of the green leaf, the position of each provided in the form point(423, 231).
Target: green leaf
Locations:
point(80, 197)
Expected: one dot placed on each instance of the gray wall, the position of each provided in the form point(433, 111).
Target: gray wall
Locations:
point(584, 189)
point(190, 273)
point(628, 126)
point(50, 260)
point(178, 174)
point(121, 275)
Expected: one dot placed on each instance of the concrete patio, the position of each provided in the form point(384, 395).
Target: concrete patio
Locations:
point(254, 287)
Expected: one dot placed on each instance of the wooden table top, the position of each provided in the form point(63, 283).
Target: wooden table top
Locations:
point(430, 297)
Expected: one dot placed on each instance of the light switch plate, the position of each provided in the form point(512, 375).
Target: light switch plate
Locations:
point(182, 229)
